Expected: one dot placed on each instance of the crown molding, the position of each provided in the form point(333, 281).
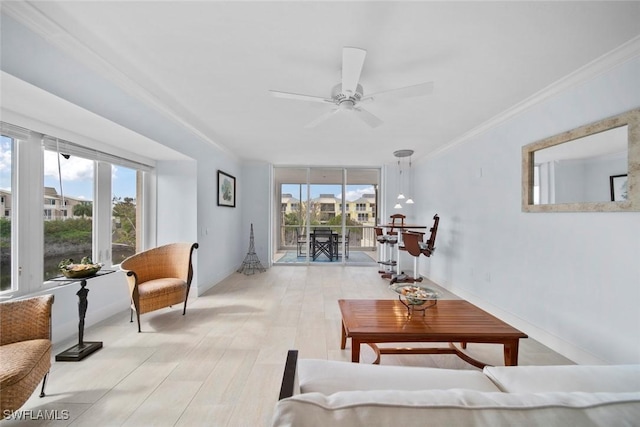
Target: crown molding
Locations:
point(590, 71)
point(33, 18)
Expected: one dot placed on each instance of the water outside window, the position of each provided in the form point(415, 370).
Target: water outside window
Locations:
point(68, 209)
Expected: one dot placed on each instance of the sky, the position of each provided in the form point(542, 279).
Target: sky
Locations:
point(354, 192)
point(5, 163)
point(77, 175)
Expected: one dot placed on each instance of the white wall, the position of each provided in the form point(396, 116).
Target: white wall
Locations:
point(569, 280)
point(177, 185)
point(255, 195)
point(220, 233)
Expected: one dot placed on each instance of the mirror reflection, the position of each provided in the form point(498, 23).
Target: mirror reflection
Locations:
point(580, 170)
point(593, 168)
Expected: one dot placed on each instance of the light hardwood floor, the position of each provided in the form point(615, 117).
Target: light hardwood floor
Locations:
point(222, 363)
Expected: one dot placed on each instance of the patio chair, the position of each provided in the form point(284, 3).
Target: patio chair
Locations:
point(324, 242)
point(346, 243)
point(25, 350)
point(159, 277)
point(301, 242)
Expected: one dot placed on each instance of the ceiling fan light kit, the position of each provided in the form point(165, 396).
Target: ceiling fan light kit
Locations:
point(349, 94)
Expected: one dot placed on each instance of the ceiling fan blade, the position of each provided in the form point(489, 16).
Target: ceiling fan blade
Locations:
point(352, 62)
point(322, 118)
point(420, 89)
point(367, 117)
point(299, 97)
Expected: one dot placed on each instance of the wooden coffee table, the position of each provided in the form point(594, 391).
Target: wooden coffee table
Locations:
point(454, 321)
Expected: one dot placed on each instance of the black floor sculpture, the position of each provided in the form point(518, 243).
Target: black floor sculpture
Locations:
point(251, 263)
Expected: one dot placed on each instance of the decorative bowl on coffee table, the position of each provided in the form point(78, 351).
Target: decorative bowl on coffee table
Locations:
point(415, 298)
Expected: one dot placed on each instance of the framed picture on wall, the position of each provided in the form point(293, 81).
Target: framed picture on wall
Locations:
point(618, 185)
point(226, 190)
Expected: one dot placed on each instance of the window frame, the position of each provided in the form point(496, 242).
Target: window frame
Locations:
point(27, 246)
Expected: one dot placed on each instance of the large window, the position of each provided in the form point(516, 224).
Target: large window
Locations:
point(63, 200)
point(342, 199)
point(6, 168)
point(68, 219)
point(125, 213)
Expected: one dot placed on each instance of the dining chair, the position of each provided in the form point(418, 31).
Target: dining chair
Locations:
point(387, 242)
point(413, 244)
point(394, 219)
point(381, 238)
point(427, 248)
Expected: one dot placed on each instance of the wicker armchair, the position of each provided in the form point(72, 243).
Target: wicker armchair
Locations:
point(25, 350)
point(159, 277)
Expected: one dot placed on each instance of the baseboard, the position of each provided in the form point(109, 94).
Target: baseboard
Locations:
point(555, 343)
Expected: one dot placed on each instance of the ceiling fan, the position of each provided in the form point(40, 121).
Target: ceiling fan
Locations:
point(348, 95)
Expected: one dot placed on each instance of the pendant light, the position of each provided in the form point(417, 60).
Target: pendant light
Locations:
point(410, 185)
point(400, 154)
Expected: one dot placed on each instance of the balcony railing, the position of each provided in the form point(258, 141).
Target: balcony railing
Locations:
point(361, 237)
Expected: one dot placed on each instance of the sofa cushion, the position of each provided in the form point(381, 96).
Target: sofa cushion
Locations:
point(330, 376)
point(457, 407)
point(536, 379)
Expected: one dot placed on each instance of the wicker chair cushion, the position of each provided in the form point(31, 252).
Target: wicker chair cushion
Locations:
point(158, 287)
point(24, 364)
point(160, 293)
point(21, 358)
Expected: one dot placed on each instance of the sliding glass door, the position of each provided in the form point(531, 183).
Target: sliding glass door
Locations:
point(326, 215)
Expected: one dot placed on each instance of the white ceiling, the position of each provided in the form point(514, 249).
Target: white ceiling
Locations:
point(22, 101)
point(211, 64)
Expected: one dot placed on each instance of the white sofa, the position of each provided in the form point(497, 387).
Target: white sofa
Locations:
point(332, 393)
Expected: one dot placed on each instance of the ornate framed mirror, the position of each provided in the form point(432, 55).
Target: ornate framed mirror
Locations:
point(594, 168)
